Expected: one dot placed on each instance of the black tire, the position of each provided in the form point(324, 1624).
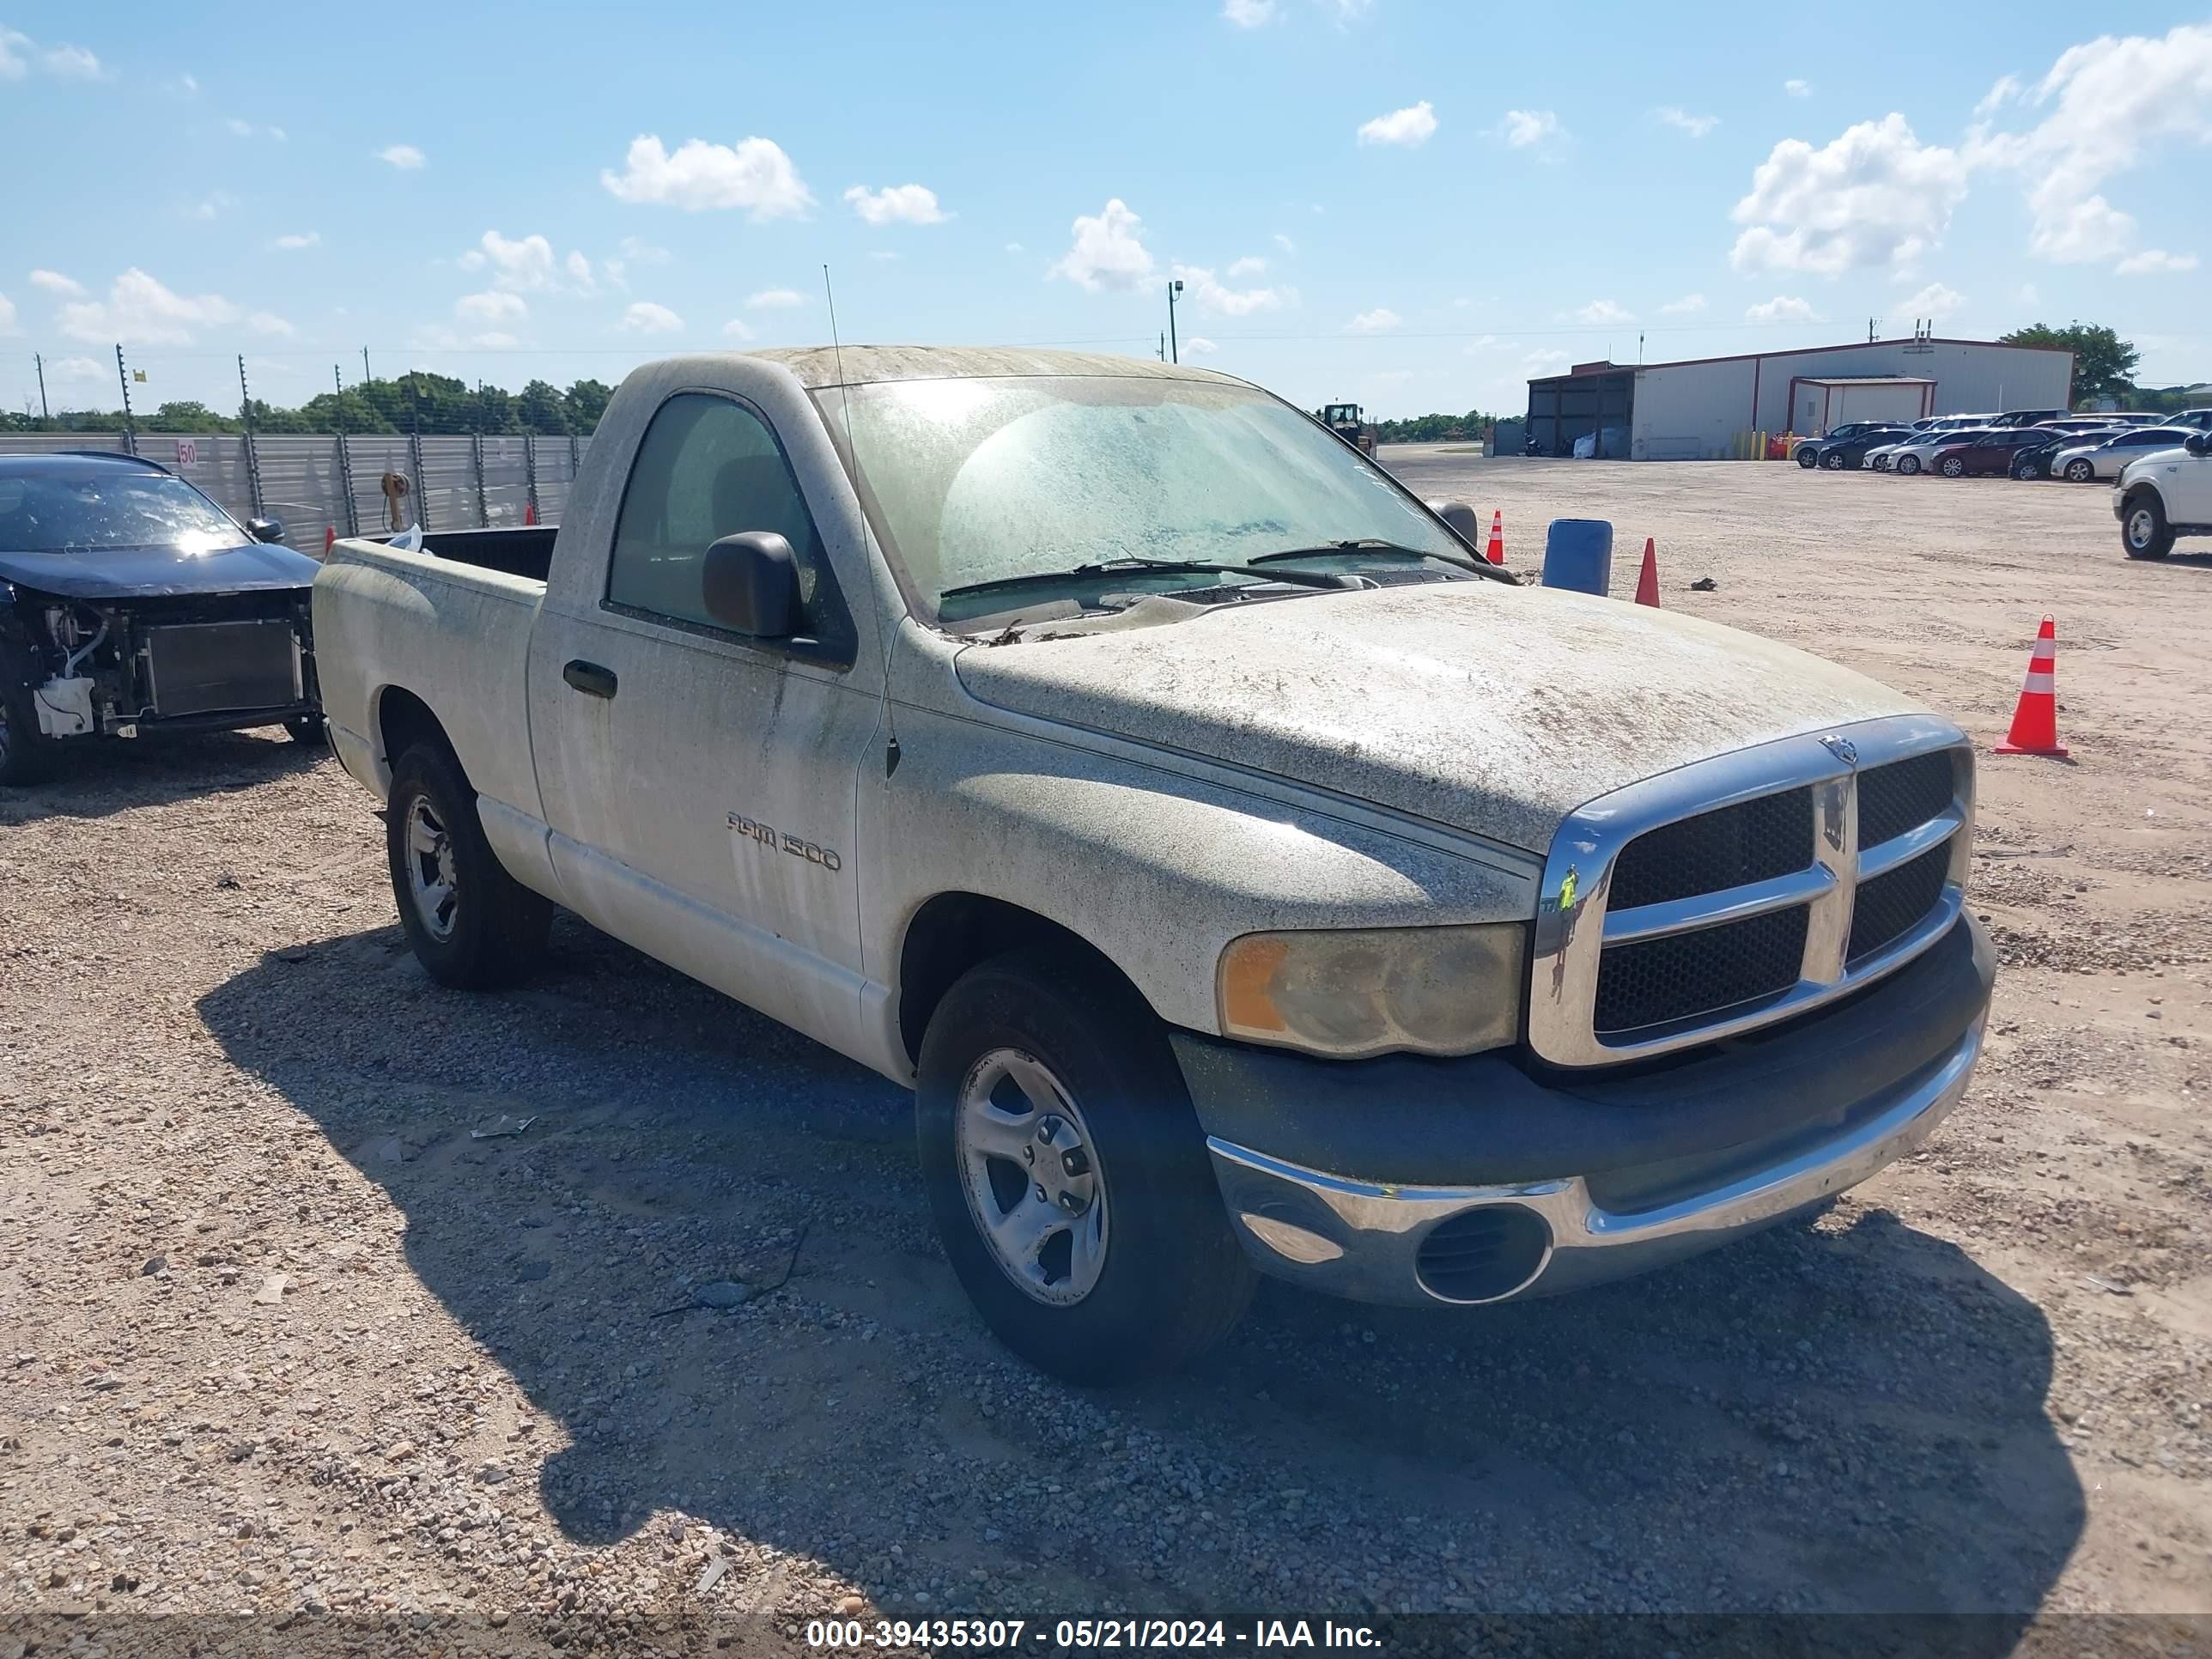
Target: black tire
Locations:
point(26, 754)
point(1174, 1278)
point(1953, 468)
point(495, 927)
point(2026, 471)
point(2080, 471)
point(1833, 460)
point(308, 730)
point(2144, 531)
point(1807, 456)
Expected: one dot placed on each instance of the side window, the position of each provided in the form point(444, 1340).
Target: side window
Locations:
point(707, 468)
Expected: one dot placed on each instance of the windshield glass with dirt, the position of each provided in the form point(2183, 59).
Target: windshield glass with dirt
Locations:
point(979, 480)
point(108, 508)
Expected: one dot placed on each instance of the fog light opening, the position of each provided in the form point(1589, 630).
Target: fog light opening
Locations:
point(1482, 1254)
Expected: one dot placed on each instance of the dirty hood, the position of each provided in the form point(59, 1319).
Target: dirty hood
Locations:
point(1494, 709)
point(144, 573)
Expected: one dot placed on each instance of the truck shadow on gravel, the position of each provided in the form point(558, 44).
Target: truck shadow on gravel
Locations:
point(1840, 1416)
point(93, 779)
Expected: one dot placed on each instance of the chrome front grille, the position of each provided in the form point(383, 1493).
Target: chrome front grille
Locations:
point(1740, 890)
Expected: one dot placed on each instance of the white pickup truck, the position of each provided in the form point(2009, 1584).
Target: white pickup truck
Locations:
point(2165, 495)
point(1241, 872)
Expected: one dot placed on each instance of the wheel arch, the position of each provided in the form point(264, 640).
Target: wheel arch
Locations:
point(953, 932)
point(400, 719)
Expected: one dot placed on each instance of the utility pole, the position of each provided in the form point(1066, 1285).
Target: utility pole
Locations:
point(366, 376)
point(130, 424)
point(253, 455)
point(1871, 321)
point(45, 418)
point(1175, 354)
point(1163, 347)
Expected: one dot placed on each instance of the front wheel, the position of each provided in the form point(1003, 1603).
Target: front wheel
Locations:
point(471, 924)
point(1908, 464)
point(1955, 468)
point(2144, 531)
point(2079, 472)
point(1807, 456)
point(1833, 460)
point(2026, 471)
point(27, 753)
point(1067, 1173)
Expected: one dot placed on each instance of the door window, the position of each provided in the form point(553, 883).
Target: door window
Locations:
point(710, 468)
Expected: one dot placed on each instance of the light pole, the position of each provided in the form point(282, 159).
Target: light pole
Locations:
point(1173, 288)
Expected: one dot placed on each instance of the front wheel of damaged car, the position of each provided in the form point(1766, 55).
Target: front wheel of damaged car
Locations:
point(27, 753)
point(1067, 1173)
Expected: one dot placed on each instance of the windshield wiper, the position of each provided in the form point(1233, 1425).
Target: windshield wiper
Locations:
point(1359, 544)
point(1134, 563)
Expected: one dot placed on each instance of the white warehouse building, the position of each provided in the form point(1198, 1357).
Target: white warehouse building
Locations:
point(1706, 409)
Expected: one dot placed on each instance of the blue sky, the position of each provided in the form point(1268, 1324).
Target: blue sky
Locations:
point(1410, 203)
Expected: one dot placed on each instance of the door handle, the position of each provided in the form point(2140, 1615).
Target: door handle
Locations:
point(590, 678)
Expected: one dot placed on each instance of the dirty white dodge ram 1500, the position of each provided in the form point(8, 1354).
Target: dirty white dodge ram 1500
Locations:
point(1242, 873)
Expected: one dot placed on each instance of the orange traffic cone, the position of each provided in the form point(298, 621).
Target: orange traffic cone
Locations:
point(529, 513)
point(330, 537)
point(1496, 551)
point(1647, 581)
point(2035, 720)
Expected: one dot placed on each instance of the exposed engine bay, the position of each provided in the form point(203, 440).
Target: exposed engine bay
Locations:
point(119, 666)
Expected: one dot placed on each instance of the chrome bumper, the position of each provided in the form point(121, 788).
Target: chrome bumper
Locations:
point(1363, 1240)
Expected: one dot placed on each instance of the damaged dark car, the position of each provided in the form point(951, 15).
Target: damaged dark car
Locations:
point(131, 606)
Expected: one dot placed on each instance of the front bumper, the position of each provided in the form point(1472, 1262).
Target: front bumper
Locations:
point(1586, 1180)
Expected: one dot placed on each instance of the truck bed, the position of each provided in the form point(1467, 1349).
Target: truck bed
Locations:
point(525, 551)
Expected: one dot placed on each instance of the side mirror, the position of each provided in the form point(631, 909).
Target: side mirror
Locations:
point(749, 584)
point(2198, 444)
point(265, 530)
point(1463, 521)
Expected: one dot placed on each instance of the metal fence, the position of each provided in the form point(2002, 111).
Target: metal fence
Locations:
point(319, 484)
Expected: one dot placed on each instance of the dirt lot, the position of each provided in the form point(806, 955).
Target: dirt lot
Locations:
point(281, 1340)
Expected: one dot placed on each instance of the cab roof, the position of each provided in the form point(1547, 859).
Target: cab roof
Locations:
point(864, 365)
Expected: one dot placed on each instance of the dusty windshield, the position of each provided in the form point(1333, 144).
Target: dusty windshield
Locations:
point(98, 509)
point(980, 480)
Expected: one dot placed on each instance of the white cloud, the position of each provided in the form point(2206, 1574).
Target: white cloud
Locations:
point(737, 328)
point(139, 311)
point(1250, 265)
point(580, 270)
point(774, 299)
point(405, 157)
point(1603, 311)
point(527, 264)
point(2112, 102)
point(643, 317)
point(2154, 262)
point(1409, 127)
point(213, 205)
point(639, 252)
point(1199, 346)
point(1935, 302)
point(897, 205)
point(300, 239)
point(1522, 127)
point(268, 322)
point(755, 176)
point(1013, 247)
point(1285, 243)
point(19, 54)
point(1211, 294)
point(189, 85)
point(1249, 14)
point(54, 282)
point(1782, 309)
point(1375, 321)
point(1797, 89)
point(1873, 195)
point(1688, 306)
point(1348, 12)
point(7, 315)
point(2006, 89)
point(1543, 360)
point(1109, 250)
point(1696, 125)
point(492, 306)
point(78, 369)
point(1479, 344)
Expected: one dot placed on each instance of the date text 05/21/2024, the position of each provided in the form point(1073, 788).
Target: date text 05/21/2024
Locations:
point(1008, 1635)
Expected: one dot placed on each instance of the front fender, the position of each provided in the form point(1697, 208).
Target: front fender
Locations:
point(1156, 869)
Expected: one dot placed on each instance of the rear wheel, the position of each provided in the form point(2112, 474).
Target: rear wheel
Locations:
point(471, 924)
point(1953, 467)
point(2079, 472)
point(2144, 531)
point(1908, 464)
point(2027, 467)
point(1833, 460)
point(27, 753)
point(1068, 1172)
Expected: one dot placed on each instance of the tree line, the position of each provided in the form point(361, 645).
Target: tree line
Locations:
point(418, 401)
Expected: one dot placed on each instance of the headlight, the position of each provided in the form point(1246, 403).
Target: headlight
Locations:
point(1365, 991)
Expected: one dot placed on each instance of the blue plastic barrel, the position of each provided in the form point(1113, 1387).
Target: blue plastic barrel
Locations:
point(1578, 555)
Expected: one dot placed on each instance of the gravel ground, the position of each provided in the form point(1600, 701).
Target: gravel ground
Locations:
point(288, 1349)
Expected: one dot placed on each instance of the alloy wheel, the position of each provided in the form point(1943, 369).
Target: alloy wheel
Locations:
point(431, 883)
point(1030, 1169)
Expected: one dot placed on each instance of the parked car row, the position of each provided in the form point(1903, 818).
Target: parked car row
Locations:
point(2020, 444)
